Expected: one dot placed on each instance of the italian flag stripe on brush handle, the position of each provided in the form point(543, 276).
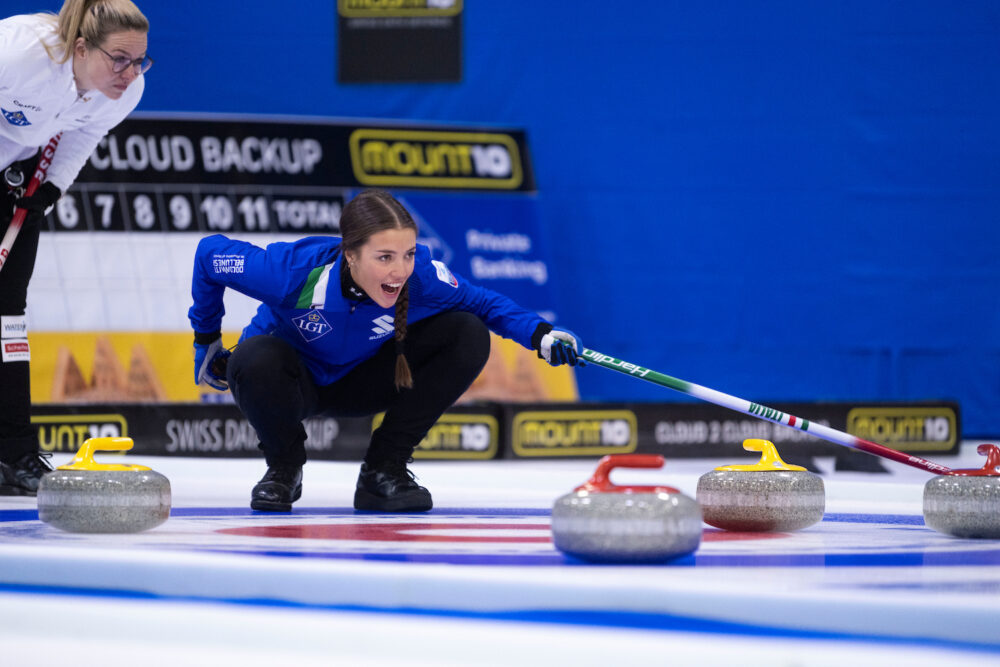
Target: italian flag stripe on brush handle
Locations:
point(760, 411)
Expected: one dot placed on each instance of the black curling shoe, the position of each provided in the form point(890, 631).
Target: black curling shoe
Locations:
point(21, 478)
point(277, 489)
point(390, 488)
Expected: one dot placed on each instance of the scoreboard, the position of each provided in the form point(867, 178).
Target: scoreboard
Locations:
point(236, 174)
point(197, 207)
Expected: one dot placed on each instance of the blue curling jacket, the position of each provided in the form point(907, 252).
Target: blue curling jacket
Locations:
point(302, 302)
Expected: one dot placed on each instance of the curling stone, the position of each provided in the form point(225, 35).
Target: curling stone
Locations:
point(769, 495)
point(90, 497)
point(602, 522)
point(966, 503)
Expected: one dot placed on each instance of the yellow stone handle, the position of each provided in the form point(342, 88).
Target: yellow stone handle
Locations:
point(769, 459)
point(84, 459)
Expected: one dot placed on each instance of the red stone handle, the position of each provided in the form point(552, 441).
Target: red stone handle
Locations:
point(600, 482)
point(992, 467)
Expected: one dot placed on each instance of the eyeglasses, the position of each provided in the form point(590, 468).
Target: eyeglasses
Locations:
point(120, 63)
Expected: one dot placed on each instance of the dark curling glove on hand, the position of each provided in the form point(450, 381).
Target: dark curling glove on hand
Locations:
point(42, 201)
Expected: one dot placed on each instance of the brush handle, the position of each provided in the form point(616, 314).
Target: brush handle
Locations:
point(37, 179)
point(760, 411)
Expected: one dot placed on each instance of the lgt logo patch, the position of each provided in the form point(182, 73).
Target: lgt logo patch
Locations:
point(312, 325)
point(15, 117)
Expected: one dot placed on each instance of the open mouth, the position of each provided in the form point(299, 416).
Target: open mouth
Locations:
point(392, 289)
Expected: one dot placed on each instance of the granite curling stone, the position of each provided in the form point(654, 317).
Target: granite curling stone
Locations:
point(966, 503)
point(90, 497)
point(769, 495)
point(602, 522)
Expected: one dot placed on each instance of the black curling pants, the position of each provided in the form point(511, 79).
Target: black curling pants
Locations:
point(17, 436)
point(275, 391)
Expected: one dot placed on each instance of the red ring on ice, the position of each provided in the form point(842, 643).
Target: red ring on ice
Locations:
point(417, 532)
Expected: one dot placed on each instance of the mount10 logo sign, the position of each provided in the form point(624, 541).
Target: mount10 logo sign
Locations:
point(158, 173)
point(577, 432)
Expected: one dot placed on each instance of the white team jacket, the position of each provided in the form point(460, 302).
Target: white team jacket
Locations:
point(38, 99)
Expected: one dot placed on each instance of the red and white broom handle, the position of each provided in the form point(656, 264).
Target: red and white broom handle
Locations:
point(19, 214)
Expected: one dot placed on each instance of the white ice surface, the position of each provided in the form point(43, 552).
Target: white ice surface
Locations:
point(181, 593)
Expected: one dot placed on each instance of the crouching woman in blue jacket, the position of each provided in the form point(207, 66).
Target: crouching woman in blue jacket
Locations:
point(351, 327)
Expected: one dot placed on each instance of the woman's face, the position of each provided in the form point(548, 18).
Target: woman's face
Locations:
point(93, 65)
point(383, 264)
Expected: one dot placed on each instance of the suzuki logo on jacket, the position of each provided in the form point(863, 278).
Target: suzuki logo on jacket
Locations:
point(312, 325)
point(383, 326)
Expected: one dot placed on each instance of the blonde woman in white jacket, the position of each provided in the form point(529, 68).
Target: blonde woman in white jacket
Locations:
point(78, 74)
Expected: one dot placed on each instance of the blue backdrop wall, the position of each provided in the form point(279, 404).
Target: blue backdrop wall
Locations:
point(783, 200)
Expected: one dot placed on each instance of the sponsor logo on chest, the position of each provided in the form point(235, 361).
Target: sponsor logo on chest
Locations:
point(25, 105)
point(384, 325)
point(312, 325)
point(15, 117)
